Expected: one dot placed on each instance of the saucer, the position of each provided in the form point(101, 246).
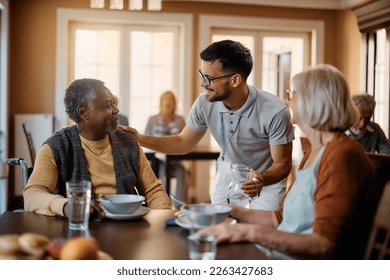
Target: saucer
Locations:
point(184, 223)
point(142, 211)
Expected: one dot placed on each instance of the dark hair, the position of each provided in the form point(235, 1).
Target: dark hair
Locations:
point(80, 93)
point(232, 55)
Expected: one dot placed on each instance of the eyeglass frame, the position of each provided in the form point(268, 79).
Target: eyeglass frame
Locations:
point(207, 80)
point(290, 94)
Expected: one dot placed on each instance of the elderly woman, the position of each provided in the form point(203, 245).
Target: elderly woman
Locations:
point(166, 122)
point(317, 219)
point(92, 149)
point(369, 134)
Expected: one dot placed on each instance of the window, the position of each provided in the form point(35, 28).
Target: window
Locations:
point(277, 55)
point(374, 23)
point(3, 81)
point(3, 104)
point(271, 42)
point(376, 74)
point(138, 55)
point(137, 63)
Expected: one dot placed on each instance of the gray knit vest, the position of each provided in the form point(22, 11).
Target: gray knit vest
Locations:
point(71, 162)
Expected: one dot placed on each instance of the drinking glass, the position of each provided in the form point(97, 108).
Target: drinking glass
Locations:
point(236, 196)
point(79, 201)
point(201, 247)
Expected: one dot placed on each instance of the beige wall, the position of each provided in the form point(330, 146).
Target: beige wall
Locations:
point(33, 37)
point(348, 48)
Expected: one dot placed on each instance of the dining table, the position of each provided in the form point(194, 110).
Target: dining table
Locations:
point(149, 237)
point(160, 160)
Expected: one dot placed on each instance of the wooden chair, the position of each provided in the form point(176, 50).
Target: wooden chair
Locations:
point(379, 243)
point(30, 143)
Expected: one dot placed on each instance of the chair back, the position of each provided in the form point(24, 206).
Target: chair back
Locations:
point(30, 143)
point(378, 247)
point(381, 164)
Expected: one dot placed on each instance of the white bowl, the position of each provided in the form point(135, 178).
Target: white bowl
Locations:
point(122, 203)
point(203, 212)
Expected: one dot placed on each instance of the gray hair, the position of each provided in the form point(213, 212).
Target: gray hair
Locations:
point(324, 100)
point(80, 92)
point(364, 101)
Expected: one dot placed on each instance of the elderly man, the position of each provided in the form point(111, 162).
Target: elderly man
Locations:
point(369, 134)
point(92, 149)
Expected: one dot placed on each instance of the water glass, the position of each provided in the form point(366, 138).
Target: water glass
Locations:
point(236, 196)
point(79, 201)
point(201, 247)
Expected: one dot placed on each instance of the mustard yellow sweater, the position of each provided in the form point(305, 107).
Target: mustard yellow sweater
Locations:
point(39, 194)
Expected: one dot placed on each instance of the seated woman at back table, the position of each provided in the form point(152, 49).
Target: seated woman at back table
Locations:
point(324, 215)
point(92, 149)
point(167, 122)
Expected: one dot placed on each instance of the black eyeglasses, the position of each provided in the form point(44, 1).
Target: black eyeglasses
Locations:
point(207, 80)
point(290, 94)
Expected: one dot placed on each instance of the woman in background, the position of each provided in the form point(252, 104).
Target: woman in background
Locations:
point(167, 122)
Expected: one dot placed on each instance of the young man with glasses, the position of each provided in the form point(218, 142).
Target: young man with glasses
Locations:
point(251, 126)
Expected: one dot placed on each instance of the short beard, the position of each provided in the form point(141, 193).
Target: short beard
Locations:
point(111, 128)
point(225, 94)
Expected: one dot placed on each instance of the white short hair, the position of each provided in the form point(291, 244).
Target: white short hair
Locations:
point(324, 100)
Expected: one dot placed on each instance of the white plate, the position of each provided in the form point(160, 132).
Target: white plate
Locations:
point(142, 211)
point(184, 223)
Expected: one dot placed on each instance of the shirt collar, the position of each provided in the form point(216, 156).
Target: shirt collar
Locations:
point(245, 109)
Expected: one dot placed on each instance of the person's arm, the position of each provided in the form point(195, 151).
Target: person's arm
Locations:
point(259, 226)
point(39, 194)
point(173, 144)
point(383, 143)
point(155, 195)
point(281, 135)
point(281, 166)
point(279, 170)
point(253, 216)
point(303, 246)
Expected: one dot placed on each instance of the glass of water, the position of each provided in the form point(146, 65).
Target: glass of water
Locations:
point(201, 247)
point(79, 201)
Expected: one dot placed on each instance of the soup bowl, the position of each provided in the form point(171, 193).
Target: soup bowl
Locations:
point(204, 214)
point(121, 203)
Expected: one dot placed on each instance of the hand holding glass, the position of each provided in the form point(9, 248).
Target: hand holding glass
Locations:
point(241, 174)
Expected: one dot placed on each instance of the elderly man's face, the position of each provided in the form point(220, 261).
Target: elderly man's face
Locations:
point(102, 114)
point(360, 127)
